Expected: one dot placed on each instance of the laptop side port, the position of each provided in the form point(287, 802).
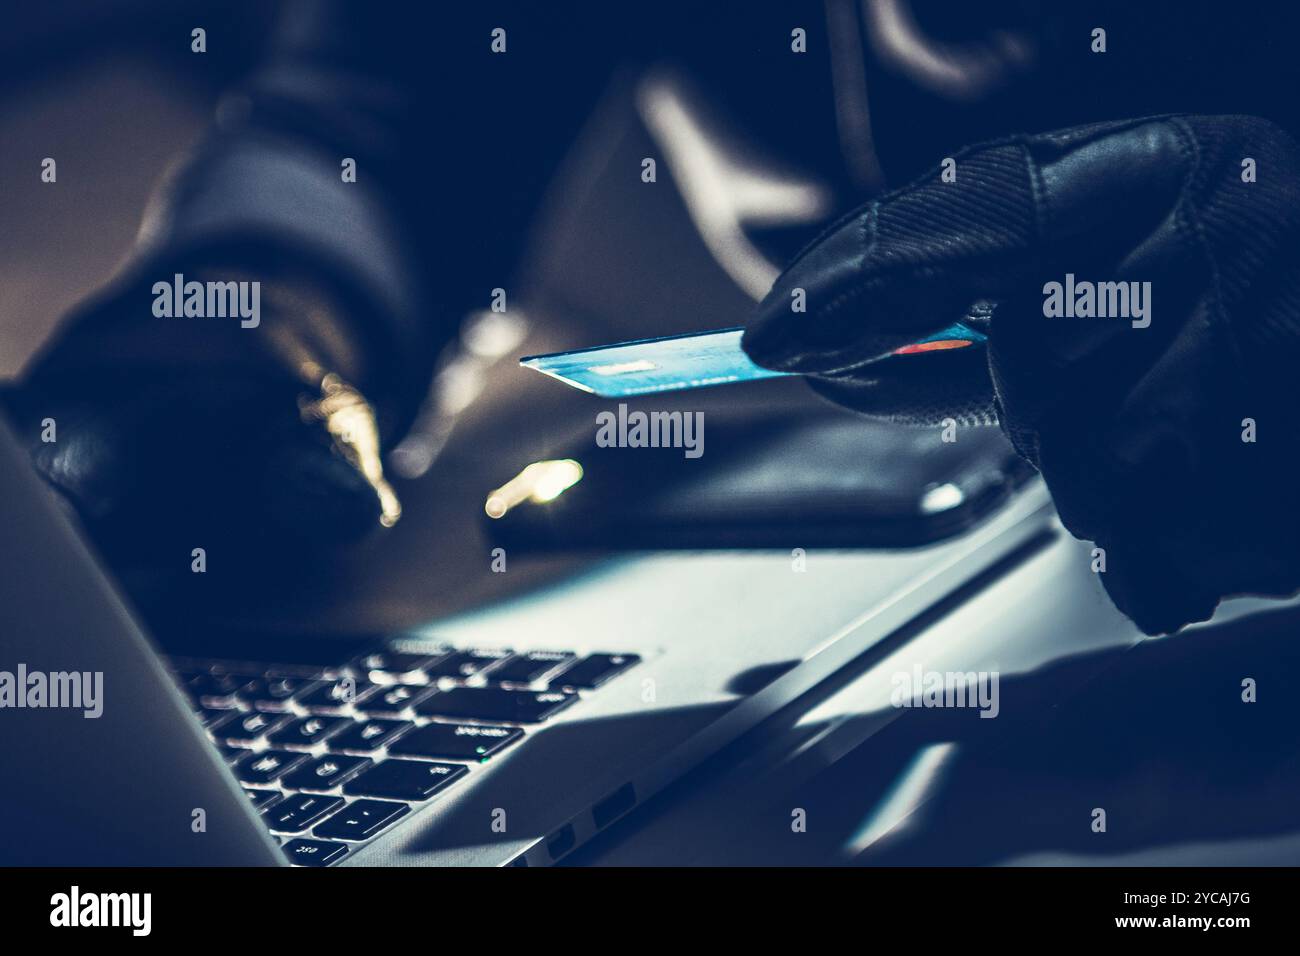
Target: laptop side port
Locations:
point(606, 811)
point(561, 841)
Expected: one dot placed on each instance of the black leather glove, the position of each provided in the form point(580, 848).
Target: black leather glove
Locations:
point(172, 433)
point(1137, 423)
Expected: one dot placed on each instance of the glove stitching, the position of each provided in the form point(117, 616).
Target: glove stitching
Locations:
point(1189, 215)
point(870, 230)
point(1043, 212)
point(1185, 214)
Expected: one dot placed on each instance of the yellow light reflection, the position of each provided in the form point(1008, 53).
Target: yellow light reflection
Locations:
point(540, 482)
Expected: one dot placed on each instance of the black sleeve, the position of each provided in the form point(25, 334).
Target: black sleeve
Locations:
point(452, 144)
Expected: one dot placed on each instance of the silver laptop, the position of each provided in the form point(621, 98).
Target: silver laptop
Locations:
point(510, 735)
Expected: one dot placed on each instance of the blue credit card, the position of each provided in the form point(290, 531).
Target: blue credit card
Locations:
point(694, 360)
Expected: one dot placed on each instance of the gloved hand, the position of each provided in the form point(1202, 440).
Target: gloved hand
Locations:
point(1141, 425)
point(171, 433)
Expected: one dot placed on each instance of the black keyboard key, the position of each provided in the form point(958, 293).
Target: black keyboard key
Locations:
point(404, 780)
point(233, 752)
point(594, 669)
point(393, 664)
point(455, 741)
point(214, 719)
point(251, 726)
point(298, 811)
point(368, 736)
point(189, 682)
point(217, 686)
point(394, 699)
point(496, 703)
point(337, 693)
point(273, 693)
point(526, 668)
point(324, 773)
point(263, 799)
point(464, 664)
point(267, 766)
point(309, 731)
point(361, 820)
point(314, 852)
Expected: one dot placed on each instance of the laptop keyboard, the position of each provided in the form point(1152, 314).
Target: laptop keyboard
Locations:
point(332, 758)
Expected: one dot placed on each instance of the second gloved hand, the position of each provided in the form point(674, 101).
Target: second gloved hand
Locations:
point(1163, 422)
point(168, 434)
